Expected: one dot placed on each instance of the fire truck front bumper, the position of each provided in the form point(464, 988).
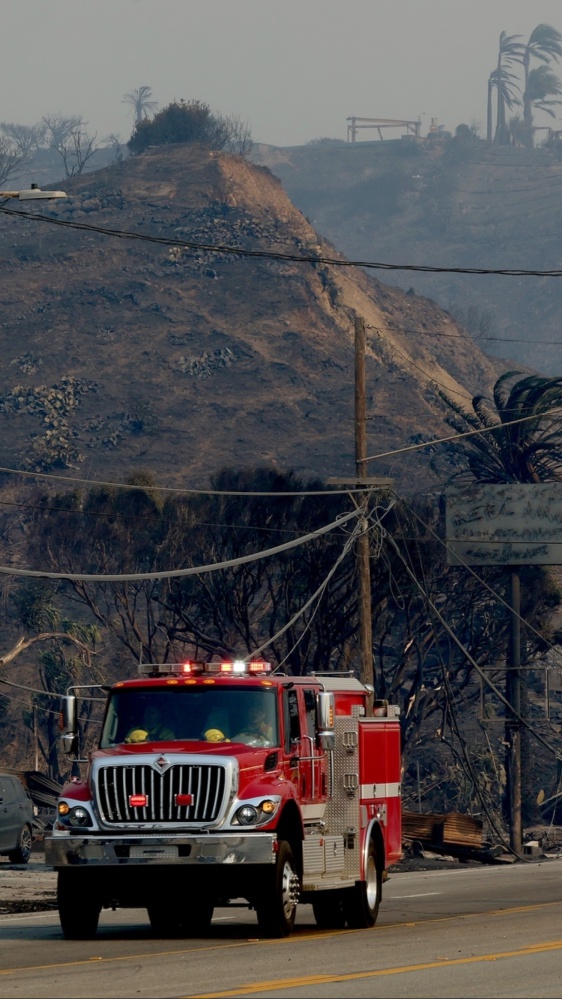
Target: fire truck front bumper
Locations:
point(119, 851)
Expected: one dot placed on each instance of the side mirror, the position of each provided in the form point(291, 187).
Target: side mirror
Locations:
point(325, 713)
point(68, 724)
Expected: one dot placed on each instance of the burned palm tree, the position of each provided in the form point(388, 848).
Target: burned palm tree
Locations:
point(544, 45)
point(507, 94)
point(510, 50)
point(519, 436)
point(141, 102)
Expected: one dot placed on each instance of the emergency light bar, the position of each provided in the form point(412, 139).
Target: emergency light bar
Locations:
point(239, 667)
point(235, 667)
point(171, 669)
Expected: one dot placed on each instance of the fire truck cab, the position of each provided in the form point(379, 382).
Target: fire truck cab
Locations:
point(227, 783)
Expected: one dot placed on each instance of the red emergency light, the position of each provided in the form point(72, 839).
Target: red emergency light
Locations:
point(194, 667)
point(138, 800)
point(191, 667)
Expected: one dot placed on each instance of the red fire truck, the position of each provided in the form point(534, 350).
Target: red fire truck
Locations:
point(228, 783)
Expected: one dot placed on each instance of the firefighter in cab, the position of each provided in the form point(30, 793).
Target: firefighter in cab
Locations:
point(151, 729)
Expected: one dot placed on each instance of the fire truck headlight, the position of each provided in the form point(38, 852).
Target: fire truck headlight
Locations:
point(247, 815)
point(79, 817)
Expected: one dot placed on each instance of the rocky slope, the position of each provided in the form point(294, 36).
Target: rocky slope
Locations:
point(121, 354)
point(446, 205)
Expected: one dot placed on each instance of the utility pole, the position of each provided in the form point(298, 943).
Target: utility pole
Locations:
point(513, 715)
point(363, 546)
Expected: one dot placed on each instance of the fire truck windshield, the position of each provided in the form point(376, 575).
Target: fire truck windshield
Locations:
point(199, 712)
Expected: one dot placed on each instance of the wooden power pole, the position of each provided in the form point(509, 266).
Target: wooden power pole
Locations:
point(362, 479)
point(363, 546)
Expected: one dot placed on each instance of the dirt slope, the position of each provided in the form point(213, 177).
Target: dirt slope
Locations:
point(121, 355)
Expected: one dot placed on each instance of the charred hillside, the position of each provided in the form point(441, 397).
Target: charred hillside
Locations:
point(446, 204)
point(123, 355)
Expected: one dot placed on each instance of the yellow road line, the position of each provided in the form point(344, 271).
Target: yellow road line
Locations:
point(310, 980)
point(303, 936)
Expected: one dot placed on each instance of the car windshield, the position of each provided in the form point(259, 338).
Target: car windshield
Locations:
point(199, 712)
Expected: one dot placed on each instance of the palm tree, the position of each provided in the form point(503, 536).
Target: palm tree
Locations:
point(544, 44)
point(140, 101)
point(507, 93)
point(542, 84)
point(508, 451)
point(510, 51)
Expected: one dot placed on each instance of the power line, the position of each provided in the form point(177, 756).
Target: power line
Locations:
point(450, 706)
point(396, 328)
point(356, 490)
point(273, 255)
point(121, 518)
point(470, 658)
point(184, 491)
point(466, 433)
point(179, 573)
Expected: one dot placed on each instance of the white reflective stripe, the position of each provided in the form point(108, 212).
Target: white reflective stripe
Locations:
point(380, 791)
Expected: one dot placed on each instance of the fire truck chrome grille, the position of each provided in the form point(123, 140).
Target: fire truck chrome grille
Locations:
point(183, 793)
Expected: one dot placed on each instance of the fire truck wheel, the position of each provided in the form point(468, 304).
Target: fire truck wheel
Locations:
point(362, 901)
point(79, 907)
point(329, 911)
point(277, 904)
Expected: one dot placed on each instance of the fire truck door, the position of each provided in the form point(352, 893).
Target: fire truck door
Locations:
point(308, 772)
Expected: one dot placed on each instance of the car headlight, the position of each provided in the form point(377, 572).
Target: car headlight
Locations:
point(251, 815)
point(247, 815)
point(79, 817)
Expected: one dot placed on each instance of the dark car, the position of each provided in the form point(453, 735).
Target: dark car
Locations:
point(16, 820)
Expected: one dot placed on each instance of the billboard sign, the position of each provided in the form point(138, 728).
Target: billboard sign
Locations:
point(510, 524)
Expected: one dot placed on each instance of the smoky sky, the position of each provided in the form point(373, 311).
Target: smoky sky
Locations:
point(294, 70)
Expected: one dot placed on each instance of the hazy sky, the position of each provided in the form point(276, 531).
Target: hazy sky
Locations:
point(293, 69)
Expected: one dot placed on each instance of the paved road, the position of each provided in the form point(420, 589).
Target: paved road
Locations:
point(490, 931)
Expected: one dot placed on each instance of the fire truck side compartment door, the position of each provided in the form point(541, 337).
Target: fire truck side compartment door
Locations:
point(380, 778)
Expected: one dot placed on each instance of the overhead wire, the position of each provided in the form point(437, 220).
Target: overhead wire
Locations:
point(298, 258)
point(33, 690)
point(316, 596)
point(523, 721)
point(467, 335)
point(181, 490)
point(356, 488)
point(470, 658)
point(319, 593)
point(83, 577)
point(483, 583)
point(449, 699)
point(460, 436)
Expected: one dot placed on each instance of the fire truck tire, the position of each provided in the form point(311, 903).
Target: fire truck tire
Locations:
point(277, 900)
point(329, 910)
point(363, 900)
point(79, 907)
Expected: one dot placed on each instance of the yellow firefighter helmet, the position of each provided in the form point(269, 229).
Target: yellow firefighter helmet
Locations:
point(215, 735)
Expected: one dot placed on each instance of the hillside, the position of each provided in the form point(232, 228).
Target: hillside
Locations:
point(122, 355)
point(445, 205)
